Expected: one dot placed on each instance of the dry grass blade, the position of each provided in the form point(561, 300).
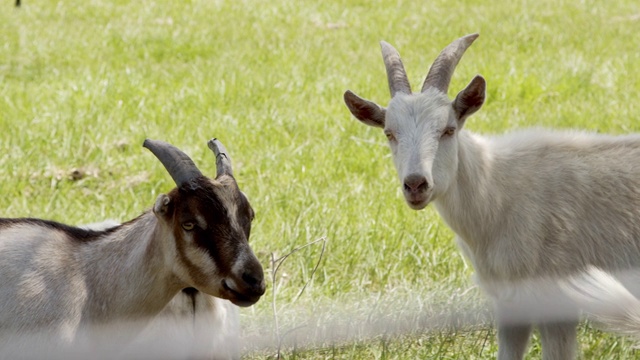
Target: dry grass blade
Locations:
point(275, 265)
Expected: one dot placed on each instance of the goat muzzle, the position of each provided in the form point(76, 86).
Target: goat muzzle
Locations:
point(247, 295)
point(417, 191)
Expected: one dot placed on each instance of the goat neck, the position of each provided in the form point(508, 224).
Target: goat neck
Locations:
point(136, 256)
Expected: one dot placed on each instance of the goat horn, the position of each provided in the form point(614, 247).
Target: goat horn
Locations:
point(178, 164)
point(442, 69)
point(397, 76)
point(223, 163)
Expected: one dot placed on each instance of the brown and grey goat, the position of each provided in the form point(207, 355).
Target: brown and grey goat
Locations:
point(531, 204)
point(72, 292)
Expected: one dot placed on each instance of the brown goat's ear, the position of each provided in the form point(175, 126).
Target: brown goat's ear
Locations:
point(470, 99)
point(366, 111)
point(161, 207)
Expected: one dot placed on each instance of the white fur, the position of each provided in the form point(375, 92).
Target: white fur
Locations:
point(100, 225)
point(605, 299)
point(211, 330)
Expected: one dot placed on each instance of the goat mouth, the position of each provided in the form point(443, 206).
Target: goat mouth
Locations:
point(418, 205)
point(417, 202)
point(238, 298)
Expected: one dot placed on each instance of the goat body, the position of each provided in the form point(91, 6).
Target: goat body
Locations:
point(533, 204)
point(538, 203)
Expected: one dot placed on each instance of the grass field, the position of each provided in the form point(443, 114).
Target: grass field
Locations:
point(82, 84)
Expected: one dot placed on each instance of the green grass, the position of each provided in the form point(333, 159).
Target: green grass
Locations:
point(83, 83)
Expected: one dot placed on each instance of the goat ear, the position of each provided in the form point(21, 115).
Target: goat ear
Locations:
point(366, 111)
point(470, 99)
point(161, 207)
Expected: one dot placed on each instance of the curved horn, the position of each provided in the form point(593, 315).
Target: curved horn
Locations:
point(223, 163)
point(178, 164)
point(397, 76)
point(442, 69)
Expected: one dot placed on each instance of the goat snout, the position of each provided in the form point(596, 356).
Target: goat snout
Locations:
point(415, 183)
point(245, 290)
point(254, 281)
point(416, 191)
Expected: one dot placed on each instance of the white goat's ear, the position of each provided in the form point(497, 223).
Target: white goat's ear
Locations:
point(161, 207)
point(366, 111)
point(470, 99)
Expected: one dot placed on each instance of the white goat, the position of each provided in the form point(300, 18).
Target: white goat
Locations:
point(527, 205)
point(81, 292)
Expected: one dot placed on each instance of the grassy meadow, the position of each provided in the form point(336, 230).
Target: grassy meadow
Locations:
point(83, 83)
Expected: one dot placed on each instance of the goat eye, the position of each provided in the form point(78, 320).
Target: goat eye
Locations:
point(449, 131)
point(390, 136)
point(188, 226)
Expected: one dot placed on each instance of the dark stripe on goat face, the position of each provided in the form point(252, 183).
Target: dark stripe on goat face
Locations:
point(194, 271)
point(73, 232)
point(228, 224)
point(227, 216)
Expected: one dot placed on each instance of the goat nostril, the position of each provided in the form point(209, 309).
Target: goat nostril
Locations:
point(251, 279)
point(415, 183)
